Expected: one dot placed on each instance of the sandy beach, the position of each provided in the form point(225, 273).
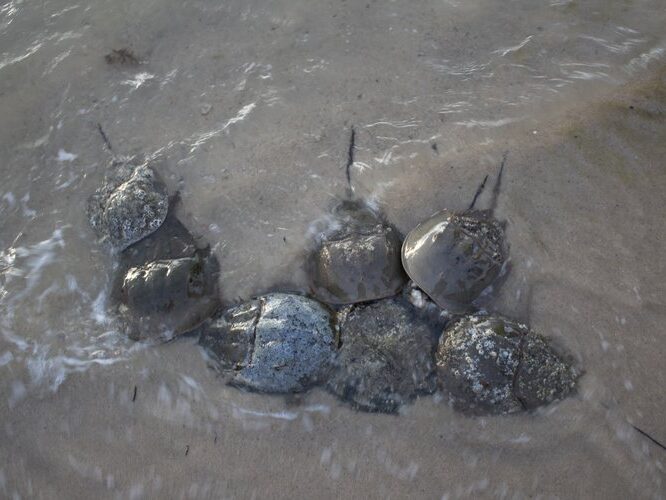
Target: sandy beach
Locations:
point(245, 109)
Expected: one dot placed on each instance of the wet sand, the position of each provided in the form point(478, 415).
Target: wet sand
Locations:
point(591, 288)
point(582, 194)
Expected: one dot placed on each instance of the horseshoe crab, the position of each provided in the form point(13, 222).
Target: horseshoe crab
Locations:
point(492, 365)
point(130, 205)
point(277, 343)
point(358, 260)
point(165, 285)
point(453, 256)
point(386, 358)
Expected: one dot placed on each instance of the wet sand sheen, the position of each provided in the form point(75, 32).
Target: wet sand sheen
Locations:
point(582, 226)
point(246, 108)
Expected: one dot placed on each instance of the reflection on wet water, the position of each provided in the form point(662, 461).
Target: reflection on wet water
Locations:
point(245, 109)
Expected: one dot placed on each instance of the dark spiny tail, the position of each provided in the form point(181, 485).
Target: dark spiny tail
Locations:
point(498, 184)
point(350, 159)
point(479, 190)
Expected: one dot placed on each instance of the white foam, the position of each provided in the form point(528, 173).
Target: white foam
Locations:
point(65, 156)
point(240, 413)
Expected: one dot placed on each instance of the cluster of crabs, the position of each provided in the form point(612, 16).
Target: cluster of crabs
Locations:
point(387, 320)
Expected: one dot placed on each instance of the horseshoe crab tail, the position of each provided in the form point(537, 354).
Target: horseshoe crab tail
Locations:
point(498, 184)
point(479, 190)
point(350, 161)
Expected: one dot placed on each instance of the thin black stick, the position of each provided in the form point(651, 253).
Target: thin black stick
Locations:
point(134, 395)
point(650, 437)
point(498, 184)
point(105, 138)
point(479, 190)
point(350, 158)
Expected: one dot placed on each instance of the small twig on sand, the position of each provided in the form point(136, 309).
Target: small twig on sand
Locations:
point(134, 394)
point(479, 190)
point(187, 450)
point(104, 137)
point(663, 447)
point(350, 158)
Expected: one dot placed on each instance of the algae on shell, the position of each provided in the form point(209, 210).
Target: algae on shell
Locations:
point(492, 365)
point(130, 205)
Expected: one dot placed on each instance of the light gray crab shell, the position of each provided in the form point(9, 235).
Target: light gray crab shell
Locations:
point(277, 343)
point(131, 204)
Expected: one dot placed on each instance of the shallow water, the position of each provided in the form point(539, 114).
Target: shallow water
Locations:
point(246, 109)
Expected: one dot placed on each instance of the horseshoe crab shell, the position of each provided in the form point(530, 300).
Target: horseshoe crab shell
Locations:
point(386, 358)
point(165, 298)
point(453, 256)
point(358, 260)
point(492, 365)
point(277, 343)
point(130, 205)
point(165, 285)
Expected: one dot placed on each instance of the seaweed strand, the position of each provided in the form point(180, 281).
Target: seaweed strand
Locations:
point(106, 140)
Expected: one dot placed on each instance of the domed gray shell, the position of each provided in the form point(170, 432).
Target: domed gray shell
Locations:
point(357, 261)
point(165, 298)
point(453, 256)
point(164, 285)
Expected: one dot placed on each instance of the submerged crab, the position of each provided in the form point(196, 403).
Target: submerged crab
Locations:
point(358, 260)
point(165, 285)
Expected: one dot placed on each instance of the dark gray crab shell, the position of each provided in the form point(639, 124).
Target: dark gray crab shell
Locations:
point(164, 284)
point(453, 256)
point(493, 365)
point(386, 358)
point(359, 260)
point(164, 298)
